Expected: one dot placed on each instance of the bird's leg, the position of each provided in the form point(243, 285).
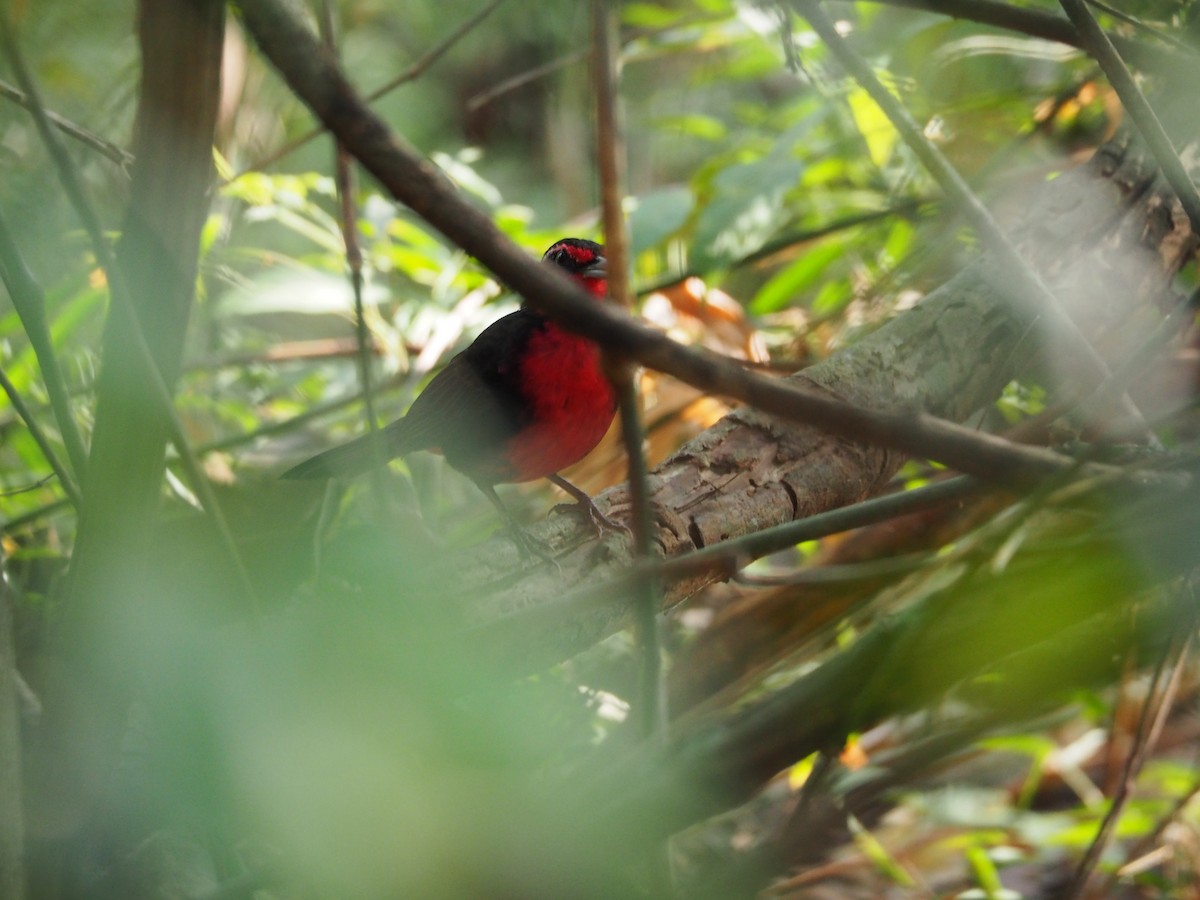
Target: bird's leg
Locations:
point(599, 520)
point(526, 542)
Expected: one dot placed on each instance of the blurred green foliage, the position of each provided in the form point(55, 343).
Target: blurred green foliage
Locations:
point(357, 744)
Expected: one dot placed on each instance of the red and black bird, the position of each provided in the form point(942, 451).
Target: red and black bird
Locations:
point(525, 400)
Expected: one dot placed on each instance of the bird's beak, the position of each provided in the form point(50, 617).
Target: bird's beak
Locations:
point(598, 269)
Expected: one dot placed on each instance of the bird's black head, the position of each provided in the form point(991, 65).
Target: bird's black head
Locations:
point(583, 260)
point(577, 256)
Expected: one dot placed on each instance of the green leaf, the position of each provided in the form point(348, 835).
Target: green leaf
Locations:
point(874, 126)
point(649, 15)
point(658, 215)
point(1035, 746)
point(786, 286)
point(708, 128)
point(832, 296)
point(747, 208)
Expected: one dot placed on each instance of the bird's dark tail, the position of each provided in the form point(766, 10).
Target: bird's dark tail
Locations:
point(358, 456)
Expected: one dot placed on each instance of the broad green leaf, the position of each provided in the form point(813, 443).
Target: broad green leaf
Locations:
point(786, 287)
point(746, 210)
point(874, 126)
point(658, 215)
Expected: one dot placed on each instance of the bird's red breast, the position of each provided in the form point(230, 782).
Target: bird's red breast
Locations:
point(570, 404)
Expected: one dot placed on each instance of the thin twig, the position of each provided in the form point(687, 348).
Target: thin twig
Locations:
point(118, 289)
point(417, 69)
point(610, 154)
point(344, 180)
point(412, 73)
point(40, 483)
point(39, 436)
point(1145, 354)
point(792, 239)
point(548, 68)
point(106, 148)
point(1040, 24)
point(226, 443)
point(1135, 103)
point(1147, 842)
point(511, 84)
point(285, 352)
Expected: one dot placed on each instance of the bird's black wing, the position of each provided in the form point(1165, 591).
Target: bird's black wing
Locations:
point(474, 405)
point(468, 411)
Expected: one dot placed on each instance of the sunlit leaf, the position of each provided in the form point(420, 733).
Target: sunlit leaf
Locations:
point(789, 285)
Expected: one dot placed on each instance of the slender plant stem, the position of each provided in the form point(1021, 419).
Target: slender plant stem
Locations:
point(30, 303)
point(727, 557)
point(1142, 26)
point(344, 179)
point(1093, 404)
point(900, 208)
point(610, 153)
point(226, 443)
point(63, 473)
point(1153, 713)
point(412, 73)
point(530, 75)
point(1041, 24)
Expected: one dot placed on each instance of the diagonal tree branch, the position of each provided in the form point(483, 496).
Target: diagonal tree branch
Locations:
point(66, 126)
point(39, 436)
point(292, 47)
